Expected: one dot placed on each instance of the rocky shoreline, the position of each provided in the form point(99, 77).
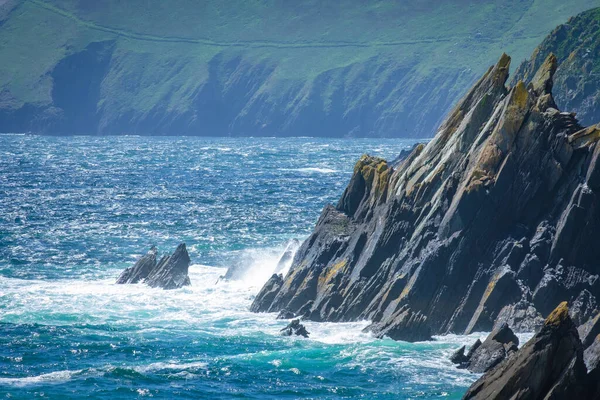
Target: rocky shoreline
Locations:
point(491, 222)
point(486, 228)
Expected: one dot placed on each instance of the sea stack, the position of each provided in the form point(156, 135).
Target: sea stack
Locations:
point(171, 272)
point(497, 216)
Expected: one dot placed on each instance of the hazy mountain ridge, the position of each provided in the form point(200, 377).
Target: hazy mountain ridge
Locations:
point(385, 69)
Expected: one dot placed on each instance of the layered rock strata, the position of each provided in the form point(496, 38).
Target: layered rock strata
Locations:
point(495, 217)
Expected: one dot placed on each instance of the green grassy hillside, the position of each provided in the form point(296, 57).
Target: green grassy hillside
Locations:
point(576, 45)
point(255, 67)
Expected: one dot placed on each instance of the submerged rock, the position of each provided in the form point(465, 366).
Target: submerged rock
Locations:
point(497, 216)
point(171, 272)
point(295, 328)
point(140, 270)
point(549, 366)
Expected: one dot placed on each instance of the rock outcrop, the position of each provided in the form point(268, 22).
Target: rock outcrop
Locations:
point(549, 366)
point(295, 328)
point(171, 272)
point(496, 216)
point(140, 270)
point(482, 357)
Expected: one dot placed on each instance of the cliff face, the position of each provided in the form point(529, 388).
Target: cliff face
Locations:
point(577, 80)
point(236, 68)
point(495, 217)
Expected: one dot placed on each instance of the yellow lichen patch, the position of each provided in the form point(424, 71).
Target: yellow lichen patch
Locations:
point(520, 96)
point(490, 158)
point(409, 285)
point(585, 137)
point(382, 166)
point(490, 288)
point(558, 316)
point(382, 184)
point(478, 179)
point(330, 272)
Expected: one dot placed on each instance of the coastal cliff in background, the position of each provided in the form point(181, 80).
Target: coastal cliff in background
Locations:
point(494, 221)
point(576, 45)
point(304, 68)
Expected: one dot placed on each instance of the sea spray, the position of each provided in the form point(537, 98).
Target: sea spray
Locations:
point(77, 211)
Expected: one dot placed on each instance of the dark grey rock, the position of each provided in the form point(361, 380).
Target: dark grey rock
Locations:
point(591, 355)
point(267, 294)
point(589, 331)
point(295, 328)
point(584, 308)
point(285, 314)
point(459, 357)
point(549, 366)
point(500, 344)
point(171, 272)
point(141, 269)
point(522, 317)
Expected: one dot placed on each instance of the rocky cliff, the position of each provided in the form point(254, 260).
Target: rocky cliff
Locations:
point(576, 45)
point(494, 220)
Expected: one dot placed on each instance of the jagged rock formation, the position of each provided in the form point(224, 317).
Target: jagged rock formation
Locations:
point(482, 357)
point(549, 366)
point(171, 272)
point(140, 270)
point(497, 215)
point(577, 79)
point(295, 328)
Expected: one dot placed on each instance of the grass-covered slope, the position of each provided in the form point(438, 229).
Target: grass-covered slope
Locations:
point(268, 67)
point(576, 45)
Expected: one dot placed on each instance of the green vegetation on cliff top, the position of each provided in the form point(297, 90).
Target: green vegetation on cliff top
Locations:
point(164, 49)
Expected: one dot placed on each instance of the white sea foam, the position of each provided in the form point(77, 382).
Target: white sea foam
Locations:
point(315, 170)
point(49, 378)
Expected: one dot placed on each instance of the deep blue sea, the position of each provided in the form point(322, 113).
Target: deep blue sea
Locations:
point(76, 211)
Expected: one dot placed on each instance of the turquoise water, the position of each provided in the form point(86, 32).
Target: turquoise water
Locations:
point(76, 211)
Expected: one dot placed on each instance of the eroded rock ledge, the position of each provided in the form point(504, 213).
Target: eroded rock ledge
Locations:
point(497, 216)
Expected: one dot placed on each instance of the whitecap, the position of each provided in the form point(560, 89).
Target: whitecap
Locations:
point(49, 378)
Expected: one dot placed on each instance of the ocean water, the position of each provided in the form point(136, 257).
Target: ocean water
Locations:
point(76, 211)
